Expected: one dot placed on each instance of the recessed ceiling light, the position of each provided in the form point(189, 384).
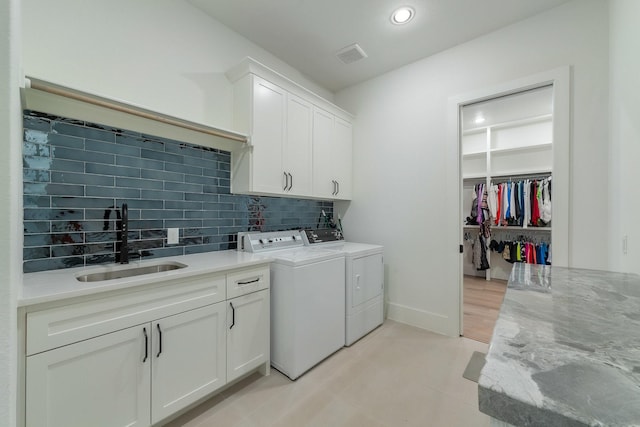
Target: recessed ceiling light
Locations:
point(402, 15)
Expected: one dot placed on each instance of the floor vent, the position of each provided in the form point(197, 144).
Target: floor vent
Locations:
point(351, 53)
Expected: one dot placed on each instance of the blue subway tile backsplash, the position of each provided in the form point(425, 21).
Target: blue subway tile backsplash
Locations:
point(78, 174)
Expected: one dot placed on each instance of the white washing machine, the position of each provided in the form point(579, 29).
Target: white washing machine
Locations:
point(364, 281)
point(307, 299)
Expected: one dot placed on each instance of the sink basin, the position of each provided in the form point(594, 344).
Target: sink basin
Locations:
point(127, 271)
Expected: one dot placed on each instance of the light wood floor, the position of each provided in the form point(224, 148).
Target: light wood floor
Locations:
point(398, 375)
point(482, 300)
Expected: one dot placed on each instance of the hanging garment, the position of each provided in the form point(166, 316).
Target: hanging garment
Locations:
point(484, 261)
point(545, 212)
point(486, 215)
point(472, 218)
point(535, 210)
point(506, 252)
point(521, 192)
point(479, 191)
point(480, 260)
point(499, 204)
point(516, 200)
point(493, 201)
point(526, 185)
point(505, 203)
point(507, 214)
point(539, 198)
point(513, 203)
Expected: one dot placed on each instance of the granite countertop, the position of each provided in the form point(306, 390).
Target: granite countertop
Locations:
point(55, 285)
point(565, 350)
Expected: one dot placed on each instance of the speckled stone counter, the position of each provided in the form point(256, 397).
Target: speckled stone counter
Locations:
point(565, 350)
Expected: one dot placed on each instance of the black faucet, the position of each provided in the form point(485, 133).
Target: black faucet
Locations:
point(122, 227)
point(124, 230)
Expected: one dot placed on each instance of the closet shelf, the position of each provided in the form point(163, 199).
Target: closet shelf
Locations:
point(513, 123)
point(475, 154)
point(541, 146)
point(474, 176)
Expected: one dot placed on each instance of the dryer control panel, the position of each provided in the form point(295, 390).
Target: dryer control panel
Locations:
point(322, 235)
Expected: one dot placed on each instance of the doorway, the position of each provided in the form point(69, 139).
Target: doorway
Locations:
point(510, 136)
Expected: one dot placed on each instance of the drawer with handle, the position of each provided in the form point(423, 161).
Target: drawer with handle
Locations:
point(247, 281)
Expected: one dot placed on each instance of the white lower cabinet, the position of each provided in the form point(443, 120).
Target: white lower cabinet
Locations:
point(132, 377)
point(188, 358)
point(248, 333)
point(102, 381)
point(138, 374)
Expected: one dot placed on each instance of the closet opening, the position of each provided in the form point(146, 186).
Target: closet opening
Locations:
point(507, 162)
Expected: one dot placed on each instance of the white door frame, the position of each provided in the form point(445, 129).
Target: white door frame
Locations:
point(560, 78)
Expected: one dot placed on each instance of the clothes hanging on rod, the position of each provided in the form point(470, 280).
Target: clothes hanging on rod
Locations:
point(523, 250)
point(519, 203)
point(480, 212)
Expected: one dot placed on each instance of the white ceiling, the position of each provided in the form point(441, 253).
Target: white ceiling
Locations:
point(306, 34)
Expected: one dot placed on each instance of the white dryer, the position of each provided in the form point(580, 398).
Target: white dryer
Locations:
point(307, 299)
point(364, 281)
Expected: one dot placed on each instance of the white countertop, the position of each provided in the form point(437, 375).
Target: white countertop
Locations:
point(55, 285)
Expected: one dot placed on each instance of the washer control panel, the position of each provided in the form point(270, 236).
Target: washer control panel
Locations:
point(262, 242)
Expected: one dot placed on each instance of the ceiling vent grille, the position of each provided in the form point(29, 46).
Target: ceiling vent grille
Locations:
point(351, 53)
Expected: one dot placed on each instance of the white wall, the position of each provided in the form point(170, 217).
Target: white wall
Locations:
point(400, 160)
point(10, 204)
point(624, 212)
point(164, 55)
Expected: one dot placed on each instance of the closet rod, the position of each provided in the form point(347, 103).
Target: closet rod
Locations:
point(66, 92)
point(518, 177)
point(512, 229)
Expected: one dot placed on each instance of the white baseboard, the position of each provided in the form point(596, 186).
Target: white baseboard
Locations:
point(423, 319)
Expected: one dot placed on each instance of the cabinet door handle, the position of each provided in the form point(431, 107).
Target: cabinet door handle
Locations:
point(286, 181)
point(159, 340)
point(337, 187)
point(146, 345)
point(233, 315)
point(257, 279)
point(290, 182)
point(333, 193)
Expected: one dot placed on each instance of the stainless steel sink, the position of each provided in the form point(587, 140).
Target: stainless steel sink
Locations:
point(127, 271)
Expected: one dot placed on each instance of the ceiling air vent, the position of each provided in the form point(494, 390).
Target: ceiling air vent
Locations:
point(351, 53)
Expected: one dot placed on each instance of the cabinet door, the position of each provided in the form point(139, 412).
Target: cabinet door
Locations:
point(332, 145)
point(323, 157)
point(267, 136)
point(297, 148)
point(188, 358)
point(342, 147)
point(247, 333)
point(103, 381)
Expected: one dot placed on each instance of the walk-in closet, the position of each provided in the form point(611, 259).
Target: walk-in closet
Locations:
point(507, 162)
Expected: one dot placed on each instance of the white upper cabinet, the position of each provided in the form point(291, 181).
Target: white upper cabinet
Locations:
point(292, 151)
point(267, 132)
point(332, 138)
point(297, 146)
